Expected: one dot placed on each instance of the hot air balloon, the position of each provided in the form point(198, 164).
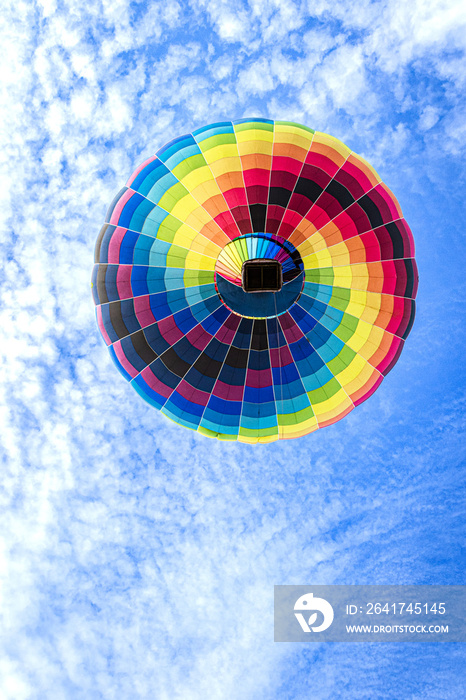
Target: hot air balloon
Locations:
point(255, 280)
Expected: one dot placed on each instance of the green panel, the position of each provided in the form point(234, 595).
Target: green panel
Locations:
point(340, 298)
point(347, 327)
point(217, 140)
point(188, 165)
point(287, 419)
point(323, 275)
point(243, 248)
point(214, 434)
point(319, 395)
point(342, 360)
point(262, 432)
point(176, 256)
point(177, 192)
point(299, 126)
point(192, 278)
point(168, 228)
point(245, 126)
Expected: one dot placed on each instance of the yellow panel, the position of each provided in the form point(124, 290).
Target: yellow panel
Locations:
point(284, 133)
point(226, 165)
point(351, 371)
point(199, 218)
point(254, 135)
point(355, 157)
point(226, 150)
point(364, 338)
point(359, 306)
point(373, 342)
point(252, 147)
point(320, 259)
point(334, 405)
point(230, 257)
point(196, 177)
point(326, 236)
point(336, 144)
point(202, 245)
point(343, 277)
point(197, 261)
point(304, 428)
point(362, 379)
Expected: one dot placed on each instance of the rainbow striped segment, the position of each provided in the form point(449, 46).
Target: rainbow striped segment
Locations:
point(184, 224)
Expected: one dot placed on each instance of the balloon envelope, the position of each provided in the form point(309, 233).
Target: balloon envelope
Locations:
point(254, 280)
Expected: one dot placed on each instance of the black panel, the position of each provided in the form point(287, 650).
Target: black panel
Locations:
point(116, 319)
point(340, 193)
point(207, 366)
point(106, 229)
point(308, 188)
point(410, 321)
point(155, 339)
point(100, 284)
point(237, 357)
point(279, 196)
point(174, 363)
point(142, 347)
point(371, 210)
point(411, 272)
point(397, 240)
point(258, 212)
point(259, 336)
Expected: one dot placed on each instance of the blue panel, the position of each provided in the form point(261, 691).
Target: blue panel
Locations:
point(186, 351)
point(129, 208)
point(155, 339)
point(234, 376)
point(142, 250)
point(118, 365)
point(179, 404)
point(200, 381)
point(139, 281)
point(221, 419)
point(218, 128)
point(115, 201)
point(262, 395)
point(147, 393)
point(127, 247)
point(111, 283)
point(255, 410)
point(259, 304)
point(165, 375)
point(259, 359)
point(128, 315)
point(133, 357)
point(183, 419)
point(112, 334)
point(304, 320)
point(151, 167)
point(230, 408)
point(140, 215)
point(103, 255)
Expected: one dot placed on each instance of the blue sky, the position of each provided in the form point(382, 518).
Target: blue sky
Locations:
point(138, 559)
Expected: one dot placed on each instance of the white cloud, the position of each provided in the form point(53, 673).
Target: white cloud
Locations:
point(138, 559)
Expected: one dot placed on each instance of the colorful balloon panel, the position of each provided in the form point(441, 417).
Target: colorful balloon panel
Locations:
point(263, 364)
